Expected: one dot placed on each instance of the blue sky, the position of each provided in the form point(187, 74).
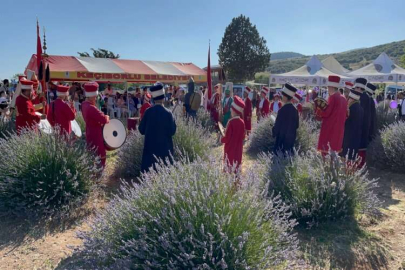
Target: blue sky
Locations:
point(179, 30)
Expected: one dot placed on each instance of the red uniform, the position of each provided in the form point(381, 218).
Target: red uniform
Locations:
point(26, 117)
point(272, 106)
point(214, 106)
point(247, 114)
point(144, 107)
point(95, 120)
point(61, 114)
point(265, 109)
point(333, 124)
point(233, 140)
point(299, 108)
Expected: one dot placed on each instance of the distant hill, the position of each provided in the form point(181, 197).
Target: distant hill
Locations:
point(352, 59)
point(285, 55)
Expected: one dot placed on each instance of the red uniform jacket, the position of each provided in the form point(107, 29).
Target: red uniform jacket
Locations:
point(265, 110)
point(95, 121)
point(61, 114)
point(272, 106)
point(26, 117)
point(214, 106)
point(233, 140)
point(247, 114)
point(299, 108)
point(144, 107)
point(39, 100)
point(333, 124)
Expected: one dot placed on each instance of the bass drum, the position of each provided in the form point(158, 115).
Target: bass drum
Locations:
point(114, 134)
point(44, 125)
point(76, 128)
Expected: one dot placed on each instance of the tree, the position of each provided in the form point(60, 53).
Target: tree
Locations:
point(243, 52)
point(402, 60)
point(100, 53)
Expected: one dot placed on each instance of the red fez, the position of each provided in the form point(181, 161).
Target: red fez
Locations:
point(334, 81)
point(62, 91)
point(26, 84)
point(349, 85)
point(238, 105)
point(91, 89)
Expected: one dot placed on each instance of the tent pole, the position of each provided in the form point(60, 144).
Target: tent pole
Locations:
point(126, 89)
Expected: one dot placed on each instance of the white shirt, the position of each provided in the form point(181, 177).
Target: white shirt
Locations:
point(261, 103)
point(275, 106)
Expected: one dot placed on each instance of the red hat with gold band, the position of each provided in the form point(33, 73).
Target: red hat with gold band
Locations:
point(91, 89)
point(238, 105)
point(62, 91)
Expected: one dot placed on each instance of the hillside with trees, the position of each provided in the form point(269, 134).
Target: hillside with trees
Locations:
point(351, 60)
point(285, 55)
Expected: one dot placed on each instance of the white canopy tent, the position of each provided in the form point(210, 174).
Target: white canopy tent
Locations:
point(313, 73)
point(333, 65)
point(381, 70)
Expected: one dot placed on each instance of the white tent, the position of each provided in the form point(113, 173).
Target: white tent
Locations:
point(381, 70)
point(333, 65)
point(313, 73)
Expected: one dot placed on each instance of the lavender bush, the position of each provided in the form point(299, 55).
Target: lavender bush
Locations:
point(191, 140)
point(387, 151)
point(261, 139)
point(191, 216)
point(43, 173)
point(385, 116)
point(129, 156)
point(204, 118)
point(320, 188)
point(6, 128)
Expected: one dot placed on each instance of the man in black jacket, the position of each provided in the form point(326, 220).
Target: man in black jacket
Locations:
point(158, 126)
point(287, 122)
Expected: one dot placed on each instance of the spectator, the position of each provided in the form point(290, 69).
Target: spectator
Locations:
point(109, 91)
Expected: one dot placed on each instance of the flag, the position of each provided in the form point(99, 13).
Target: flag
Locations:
point(39, 48)
point(209, 81)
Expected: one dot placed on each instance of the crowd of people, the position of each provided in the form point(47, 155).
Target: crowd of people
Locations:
point(348, 116)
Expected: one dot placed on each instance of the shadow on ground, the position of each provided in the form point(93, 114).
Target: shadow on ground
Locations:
point(342, 245)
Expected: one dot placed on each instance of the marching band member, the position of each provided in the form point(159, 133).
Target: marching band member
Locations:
point(214, 105)
point(234, 136)
point(352, 134)
point(348, 89)
point(296, 101)
point(61, 113)
point(38, 99)
point(287, 122)
point(360, 86)
point(275, 104)
point(370, 90)
point(226, 107)
point(333, 119)
point(263, 107)
point(247, 111)
point(146, 105)
point(158, 126)
point(95, 121)
point(26, 117)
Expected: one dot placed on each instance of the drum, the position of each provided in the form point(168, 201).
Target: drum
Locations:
point(44, 125)
point(114, 134)
point(273, 119)
point(76, 128)
point(132, 123)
